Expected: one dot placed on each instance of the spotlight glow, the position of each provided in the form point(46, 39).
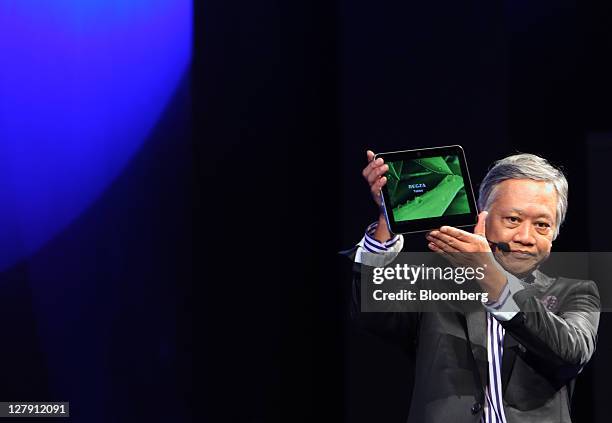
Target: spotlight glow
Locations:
point(82, 83)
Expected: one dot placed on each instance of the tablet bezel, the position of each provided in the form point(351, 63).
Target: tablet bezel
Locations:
point(428, 224)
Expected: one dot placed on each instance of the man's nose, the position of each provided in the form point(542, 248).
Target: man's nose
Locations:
point(524, 234)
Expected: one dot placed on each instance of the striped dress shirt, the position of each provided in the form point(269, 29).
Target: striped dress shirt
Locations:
point(493, 410)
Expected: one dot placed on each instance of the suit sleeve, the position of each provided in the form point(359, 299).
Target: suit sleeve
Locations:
point(565, 339)
point(398, 328)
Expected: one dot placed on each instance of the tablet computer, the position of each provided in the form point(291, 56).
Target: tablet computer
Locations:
point(428, 188)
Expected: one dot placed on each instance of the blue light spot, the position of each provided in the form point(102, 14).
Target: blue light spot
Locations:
point(82, 83)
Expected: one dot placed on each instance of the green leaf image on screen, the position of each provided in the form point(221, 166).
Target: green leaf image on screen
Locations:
point(430, 187)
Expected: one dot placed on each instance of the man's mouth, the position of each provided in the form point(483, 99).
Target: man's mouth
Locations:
point(521, 255)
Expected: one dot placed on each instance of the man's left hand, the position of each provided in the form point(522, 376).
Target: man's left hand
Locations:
point(464, 249)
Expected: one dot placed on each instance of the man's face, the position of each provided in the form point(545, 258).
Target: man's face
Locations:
point(522, 214)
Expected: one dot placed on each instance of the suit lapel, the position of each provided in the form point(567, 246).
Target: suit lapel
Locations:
point(477, 334)
point(511, 345)
point(508, 359)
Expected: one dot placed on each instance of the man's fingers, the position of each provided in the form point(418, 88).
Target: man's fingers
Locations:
point(375, 174)
point(370, 155)
point(462, 240)
point(372, 166)
point(377, 186)
point(440, 246)
point(446, 242)
point(434, 248)
point(456, 233)
point(480, 229)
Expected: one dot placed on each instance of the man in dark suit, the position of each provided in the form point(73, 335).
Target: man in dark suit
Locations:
point(516, 357)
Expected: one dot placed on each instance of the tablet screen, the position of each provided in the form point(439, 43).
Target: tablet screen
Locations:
point(426, 187)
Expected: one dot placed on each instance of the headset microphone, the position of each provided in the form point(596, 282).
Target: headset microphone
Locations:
point(502, 246)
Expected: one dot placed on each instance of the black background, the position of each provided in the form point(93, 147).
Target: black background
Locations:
point(289, 95)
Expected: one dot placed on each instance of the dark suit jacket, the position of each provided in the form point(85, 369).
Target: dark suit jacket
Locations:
point(546, 345)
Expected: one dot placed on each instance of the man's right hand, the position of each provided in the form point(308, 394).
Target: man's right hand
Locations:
point(373, 174)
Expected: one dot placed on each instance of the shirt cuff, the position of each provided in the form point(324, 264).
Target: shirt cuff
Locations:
point(505, 308)
point(372, 252)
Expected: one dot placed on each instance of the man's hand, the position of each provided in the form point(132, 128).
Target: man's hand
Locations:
point(464, 249)
point(372, 173)
point(452, 240)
